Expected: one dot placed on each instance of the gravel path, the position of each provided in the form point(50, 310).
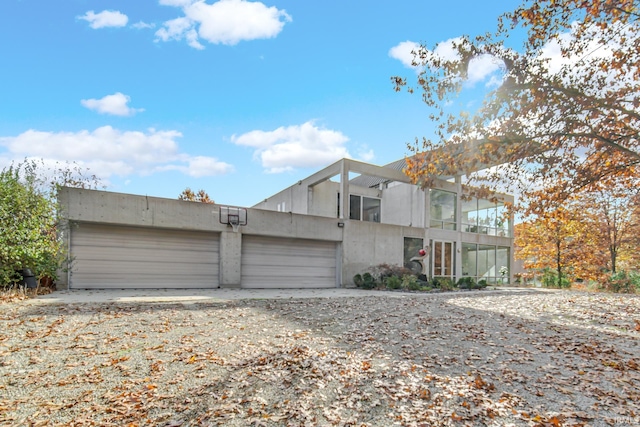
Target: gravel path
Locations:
point(459, 359)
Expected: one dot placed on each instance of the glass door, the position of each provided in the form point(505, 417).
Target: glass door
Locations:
point(442, 259)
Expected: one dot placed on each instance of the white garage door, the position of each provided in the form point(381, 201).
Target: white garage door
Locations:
point(106, 256)
point(270, 262)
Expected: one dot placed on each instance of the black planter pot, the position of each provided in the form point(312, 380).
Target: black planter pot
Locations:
point(28, 279)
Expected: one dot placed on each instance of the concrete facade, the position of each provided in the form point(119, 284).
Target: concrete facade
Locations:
point(312, 209)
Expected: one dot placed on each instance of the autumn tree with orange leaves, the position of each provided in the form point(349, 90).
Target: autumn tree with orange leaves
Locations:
point(568, 104)
point(591, 234)
point(615, 208)
point(560, 239)
point(199, 196)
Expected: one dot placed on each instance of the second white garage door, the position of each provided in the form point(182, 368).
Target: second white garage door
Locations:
point(108, 256)
point(271, 262)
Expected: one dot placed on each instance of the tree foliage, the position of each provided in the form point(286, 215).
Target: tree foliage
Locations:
point(29, 235)
point(28, 238)
point(567, 105)
point(200, 196)
point(559, 240)
point(589, 235)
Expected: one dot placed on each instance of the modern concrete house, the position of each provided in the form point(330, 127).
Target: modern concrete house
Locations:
point(317, 233)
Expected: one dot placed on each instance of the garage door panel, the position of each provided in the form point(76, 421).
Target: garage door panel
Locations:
point(108, 256)
point(270, 262)
point(278, 271)
point(158, 256)
point(294, 262)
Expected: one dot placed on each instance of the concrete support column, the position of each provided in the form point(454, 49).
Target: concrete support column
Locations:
point(230, 259)
point(344, 189)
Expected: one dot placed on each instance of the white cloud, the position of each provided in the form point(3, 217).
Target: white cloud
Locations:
point(445, 50)
point(107, 151)
point(199, 166)
point(223, 22)
point(298, 146)
point(479, 69)
point(115, 104)
point(106, 18)
point(403, 52)
point(483, 66)
point(142, 25)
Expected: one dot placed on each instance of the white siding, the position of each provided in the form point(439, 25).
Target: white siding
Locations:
point(107, 256)
point(270, 262)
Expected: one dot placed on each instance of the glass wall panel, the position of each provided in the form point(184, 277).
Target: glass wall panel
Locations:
point(370, 209)
point(470, 215)
point(411, 247)
point(502, 221)
point(502, 263)
point(487, 262)
point(469, 261)
point(485, 217)
point(354, 207)
point(443, 209)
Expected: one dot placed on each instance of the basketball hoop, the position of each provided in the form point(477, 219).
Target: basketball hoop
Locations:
point(233, 216)
point(234, 222)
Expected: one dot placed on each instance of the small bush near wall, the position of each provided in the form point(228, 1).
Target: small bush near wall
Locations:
point(466, 282)
point(368, 281)
point(358, 280)
point(393, 282)
point(410, 283)
point(387, 276)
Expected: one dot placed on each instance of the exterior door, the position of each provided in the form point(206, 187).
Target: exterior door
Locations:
point(442, 259)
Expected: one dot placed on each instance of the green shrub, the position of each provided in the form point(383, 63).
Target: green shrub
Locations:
point(481, 284)
point(368, 281)
point(466, 282)
point(29, 213)
point(410, 282)
point(550, 279)
point(28, 217)
point(358, 281)
point(443, 283)
point(623, 282)
point(393, 282)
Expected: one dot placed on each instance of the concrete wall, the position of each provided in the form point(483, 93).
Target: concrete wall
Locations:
point(403, 204)
point(93, 206)
point(370, 244)
point(293, 199)
point(323, 199)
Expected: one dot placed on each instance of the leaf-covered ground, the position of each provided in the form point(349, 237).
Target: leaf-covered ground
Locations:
point(463, 359)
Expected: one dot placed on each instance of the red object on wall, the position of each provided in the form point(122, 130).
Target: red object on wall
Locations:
point(422, 252)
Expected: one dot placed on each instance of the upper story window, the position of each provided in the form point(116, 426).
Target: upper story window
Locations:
point(363, 208)
point(485, 217)
point(443, 209)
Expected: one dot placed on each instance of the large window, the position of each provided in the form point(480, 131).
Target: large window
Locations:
point(486, 262)
point(443, 209)
point(485, 217)
point(412, 246)
point(364, 208)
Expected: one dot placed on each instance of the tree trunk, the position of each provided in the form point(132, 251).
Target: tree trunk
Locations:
point(558, 263)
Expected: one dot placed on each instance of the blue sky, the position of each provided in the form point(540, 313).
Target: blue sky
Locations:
point(238, 98)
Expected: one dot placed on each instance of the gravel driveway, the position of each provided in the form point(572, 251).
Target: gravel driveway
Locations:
point(493, 358)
